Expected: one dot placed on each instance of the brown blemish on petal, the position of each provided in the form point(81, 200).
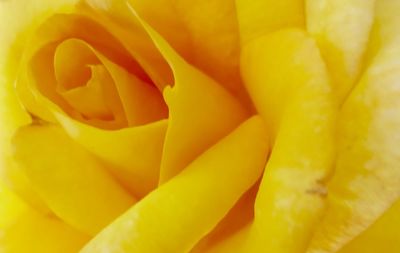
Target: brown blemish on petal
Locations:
point(318, 189)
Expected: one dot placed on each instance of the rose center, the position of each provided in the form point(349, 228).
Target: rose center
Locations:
point(81, 80)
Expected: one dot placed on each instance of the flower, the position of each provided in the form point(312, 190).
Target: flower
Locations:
point(201, 126)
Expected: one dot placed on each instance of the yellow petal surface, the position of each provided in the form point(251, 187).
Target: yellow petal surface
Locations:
point(133, 155)
point(74, 185)
point(239, 217)
point(367, 178)
point(10, 207)
point(382, 236)
point(24, 230)
point(200, 111)
point(232, 244)
point(342, 29)
point(289, 84)
point(214, 40)
point(175, 216)
point(258, 17)
point(18, 20)
point(142, 102)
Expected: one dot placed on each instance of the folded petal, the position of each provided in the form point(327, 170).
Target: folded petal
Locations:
point(288, 82)
point(342, 29)
point(207, 37)
point(367, 176)
point(258, 17)
point(200, 111)
point(175, 216)
point(71, 181)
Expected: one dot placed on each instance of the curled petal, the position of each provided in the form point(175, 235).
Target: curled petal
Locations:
point(193, 41)
point(200, 111)
point(133, 154)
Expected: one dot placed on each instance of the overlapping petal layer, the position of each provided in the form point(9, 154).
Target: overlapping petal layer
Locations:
point(366, 180)
point(157, 108)
point(179, 213)
point(259, 17)
point(289, 85)
point(118, 148)
point(342, 29)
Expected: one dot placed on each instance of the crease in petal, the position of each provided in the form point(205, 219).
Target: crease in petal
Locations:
point(175, 216)
point(342, 29)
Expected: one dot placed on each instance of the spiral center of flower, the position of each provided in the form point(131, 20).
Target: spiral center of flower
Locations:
point(81, 79)
point(92, 77)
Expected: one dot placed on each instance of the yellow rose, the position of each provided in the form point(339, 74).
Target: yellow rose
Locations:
point(200, 126)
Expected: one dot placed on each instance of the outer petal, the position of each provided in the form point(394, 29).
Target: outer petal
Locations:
point(24, 230)
point(258, 17)
point(73, 184)
point(174, 217)
point(342, 29)
point(17, 18)
point(367, 176)
point(288, 82)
